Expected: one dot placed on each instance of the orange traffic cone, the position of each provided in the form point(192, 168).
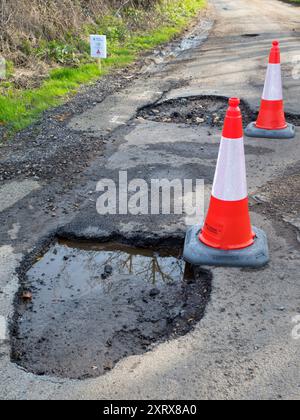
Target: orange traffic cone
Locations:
point(227, 237)
point(271, 121)
point(228, 224)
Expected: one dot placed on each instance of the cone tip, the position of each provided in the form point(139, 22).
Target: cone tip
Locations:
point(275, 43)
point(234, 102)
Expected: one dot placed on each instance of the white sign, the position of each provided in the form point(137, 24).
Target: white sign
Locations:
point(98, 46)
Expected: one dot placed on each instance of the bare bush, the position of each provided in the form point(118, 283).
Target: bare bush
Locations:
point(26, 22)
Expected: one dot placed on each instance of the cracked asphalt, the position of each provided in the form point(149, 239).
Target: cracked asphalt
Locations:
point(243, 348)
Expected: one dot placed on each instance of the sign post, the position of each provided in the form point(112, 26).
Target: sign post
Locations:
point(98, 48)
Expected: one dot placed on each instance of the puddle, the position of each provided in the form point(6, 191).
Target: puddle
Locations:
point(204, 110)
point(90, 305)
point(195, 40)
point(180, 51)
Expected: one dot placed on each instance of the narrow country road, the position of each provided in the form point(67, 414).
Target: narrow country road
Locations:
point(243, 348)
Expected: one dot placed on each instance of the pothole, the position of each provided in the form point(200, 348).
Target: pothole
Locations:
point(83, 307)
point(204, 110)
point(200, 110)
point(250, 35)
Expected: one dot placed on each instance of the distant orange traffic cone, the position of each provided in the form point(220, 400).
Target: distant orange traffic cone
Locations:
point(227, 237)
point(271, 122)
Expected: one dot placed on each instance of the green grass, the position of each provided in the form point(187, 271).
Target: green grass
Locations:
point(20, 108)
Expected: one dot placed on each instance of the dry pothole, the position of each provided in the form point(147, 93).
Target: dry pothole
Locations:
point(91, 305)
point(204, 110)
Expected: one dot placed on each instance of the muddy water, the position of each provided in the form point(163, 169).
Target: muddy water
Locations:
point(93, 305)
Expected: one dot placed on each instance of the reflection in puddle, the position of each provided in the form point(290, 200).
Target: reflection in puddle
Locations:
point(93, 305)
point(84, 266)
point(154, 267)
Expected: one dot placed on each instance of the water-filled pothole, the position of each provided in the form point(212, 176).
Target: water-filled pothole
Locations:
point(88, 306)
point(204, 110)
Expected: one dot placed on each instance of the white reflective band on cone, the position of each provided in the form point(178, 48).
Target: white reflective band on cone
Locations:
point(230, 183)
point(273, 84)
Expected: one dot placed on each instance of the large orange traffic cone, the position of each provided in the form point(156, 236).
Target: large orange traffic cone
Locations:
point(227, 225)
point(271, 122)
point(227, 237)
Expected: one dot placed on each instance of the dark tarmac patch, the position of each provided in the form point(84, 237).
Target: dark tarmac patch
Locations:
point(206, 151)
point(204, 110)
point(282, 195)
point(279, 200)
point(250, 35)
point(93, 304)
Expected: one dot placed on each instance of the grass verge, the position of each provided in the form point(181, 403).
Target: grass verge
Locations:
point(295, 2)
point(21, 107)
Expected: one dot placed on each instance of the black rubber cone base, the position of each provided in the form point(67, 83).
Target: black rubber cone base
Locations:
point(286, 133)
point(196, 253)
